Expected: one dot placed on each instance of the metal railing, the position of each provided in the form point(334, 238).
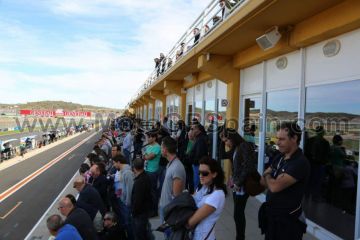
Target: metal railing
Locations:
point(213, 15)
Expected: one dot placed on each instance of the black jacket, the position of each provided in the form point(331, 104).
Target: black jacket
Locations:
point(101, 185)
point(200, 149)
point(243, 162)
point(90, 200)
point(82, 222)
point(177, 214)
point(113, 233)
point(141, 199)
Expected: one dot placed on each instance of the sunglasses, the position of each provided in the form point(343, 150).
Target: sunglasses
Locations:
point(204, 173)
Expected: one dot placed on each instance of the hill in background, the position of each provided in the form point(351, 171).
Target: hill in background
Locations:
point(53, 105)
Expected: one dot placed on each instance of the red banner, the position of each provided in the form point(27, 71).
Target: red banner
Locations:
point(57, 113)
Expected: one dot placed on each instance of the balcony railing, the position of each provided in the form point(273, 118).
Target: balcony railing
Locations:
point(213, 15)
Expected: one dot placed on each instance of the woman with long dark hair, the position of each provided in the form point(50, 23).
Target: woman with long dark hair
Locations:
point(241, 153)
point(209, 198)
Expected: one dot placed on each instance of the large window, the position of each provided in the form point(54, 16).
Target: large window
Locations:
point(222, 98)
point(199, 98)
point(332, 122)
point(158, 110)
point(209, 112)
point(198, 110)
point(281, 106)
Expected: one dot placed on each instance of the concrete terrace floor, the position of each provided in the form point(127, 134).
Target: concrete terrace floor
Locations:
point(225, 226)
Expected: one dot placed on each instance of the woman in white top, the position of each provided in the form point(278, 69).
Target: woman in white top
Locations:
point(209, 198)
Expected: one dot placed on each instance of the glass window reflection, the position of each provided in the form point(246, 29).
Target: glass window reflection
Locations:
point(209, 112)
point(281, 106)
point(332, 122)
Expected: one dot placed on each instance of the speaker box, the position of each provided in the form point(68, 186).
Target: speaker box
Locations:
point(269, 39)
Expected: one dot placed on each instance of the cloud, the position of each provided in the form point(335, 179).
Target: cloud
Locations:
point(106, 52)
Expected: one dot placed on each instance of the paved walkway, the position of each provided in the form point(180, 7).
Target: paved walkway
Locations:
point(225, 227)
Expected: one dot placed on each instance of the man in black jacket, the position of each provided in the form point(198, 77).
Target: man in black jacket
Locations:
point(78, 218)
point(89, 198)
point(99, 181)
point(141, 202)
point(199, 150)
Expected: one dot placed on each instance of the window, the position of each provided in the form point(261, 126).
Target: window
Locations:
point(281, 106)
point(332, 122)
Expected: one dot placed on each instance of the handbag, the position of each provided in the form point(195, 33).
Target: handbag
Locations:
point(252, 184)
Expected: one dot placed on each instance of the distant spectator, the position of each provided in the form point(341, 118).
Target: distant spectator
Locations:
point(162, 66)
point(225, 8)
point(127, 144)
point(93, 158)
point(101, 154)
point(141, 202)
point(152, 159)
point(169, 63)
point(163, 62)
point(177, 55)
point(78, 218)
point(105, 145)
point(180, 137)
point(115, 150)
point(56, 227)
point(216, 20)
point(196, 33)
point(206, 29)
point(165, 124)
point(180, 52)
point(84, 171)
point(157, 66)
point(138, 142)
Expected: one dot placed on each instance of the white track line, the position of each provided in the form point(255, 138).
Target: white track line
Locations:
point(7, 193)
point(50, 207)
point(52, 204)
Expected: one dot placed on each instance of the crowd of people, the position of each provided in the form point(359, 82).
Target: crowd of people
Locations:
point(165, 173)
point(163, 63)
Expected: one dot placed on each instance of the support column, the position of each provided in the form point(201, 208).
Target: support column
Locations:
point(221, 67)
point(183, 106)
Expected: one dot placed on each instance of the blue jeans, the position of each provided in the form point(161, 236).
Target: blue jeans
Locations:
point(196, 176)
point(167, 232)
point(161, 176)
point(125, 219)
point(127, 155)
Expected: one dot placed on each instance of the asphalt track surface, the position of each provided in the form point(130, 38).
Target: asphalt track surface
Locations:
point(20, 211)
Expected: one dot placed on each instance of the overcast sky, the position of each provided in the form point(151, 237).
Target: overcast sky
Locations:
point(94, 52)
